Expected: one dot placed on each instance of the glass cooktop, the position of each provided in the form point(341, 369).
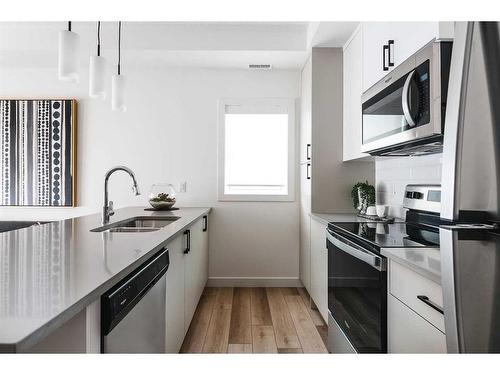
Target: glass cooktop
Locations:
point(392, 235)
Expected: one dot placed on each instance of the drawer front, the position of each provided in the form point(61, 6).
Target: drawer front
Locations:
point(408, 332)
point(407, 285)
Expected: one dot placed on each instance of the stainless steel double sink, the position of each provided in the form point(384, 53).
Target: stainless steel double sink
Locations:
point(138, 224)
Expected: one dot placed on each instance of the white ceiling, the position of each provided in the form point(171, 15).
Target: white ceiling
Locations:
point(285, 45)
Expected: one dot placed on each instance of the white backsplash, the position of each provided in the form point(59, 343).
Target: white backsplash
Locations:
point(393, 174)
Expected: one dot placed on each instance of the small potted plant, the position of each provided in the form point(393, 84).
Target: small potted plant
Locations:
point(363, 195)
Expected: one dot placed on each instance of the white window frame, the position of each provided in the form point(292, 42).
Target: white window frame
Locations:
point(289, 104)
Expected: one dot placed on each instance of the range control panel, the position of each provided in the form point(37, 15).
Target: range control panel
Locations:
point(423, 198)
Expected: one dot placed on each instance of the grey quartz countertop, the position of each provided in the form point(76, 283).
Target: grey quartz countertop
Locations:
point(425, 261)
point(51, 272)
point(341, 218)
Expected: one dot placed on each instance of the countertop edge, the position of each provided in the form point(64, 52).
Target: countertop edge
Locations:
point(321, 217)
point(63, 317)
point(414, 267)
point(343, 217)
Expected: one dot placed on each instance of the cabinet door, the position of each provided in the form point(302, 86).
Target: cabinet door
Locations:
point(353, 88)
point(319, 267)
point(204, 256)
point(305, 249)
point(175, 296)
point(305, 184)
point(408, 332)
point(408, 38)
point(196, 269)
point(305, 226)
point(305, 113)
point(375, 36)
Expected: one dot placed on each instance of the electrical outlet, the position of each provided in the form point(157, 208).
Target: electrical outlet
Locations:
point(183, 187)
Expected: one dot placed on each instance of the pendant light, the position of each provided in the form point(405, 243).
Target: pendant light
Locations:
point(69, 46)
point(97, 69)
point(118, 81)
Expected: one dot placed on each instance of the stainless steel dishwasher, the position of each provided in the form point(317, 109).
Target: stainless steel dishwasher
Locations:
point(133, 311)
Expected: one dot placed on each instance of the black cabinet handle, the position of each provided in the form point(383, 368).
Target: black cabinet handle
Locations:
point(205, 223)
point(187, 233)
point(308, 169)
point(385, 52)
point(390, 44)
point(308, 148)
point(428, 302)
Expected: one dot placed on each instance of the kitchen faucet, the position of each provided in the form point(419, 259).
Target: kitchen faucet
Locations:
point(107, 209)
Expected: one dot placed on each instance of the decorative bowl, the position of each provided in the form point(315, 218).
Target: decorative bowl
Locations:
point(162, 196)
point(161, 205)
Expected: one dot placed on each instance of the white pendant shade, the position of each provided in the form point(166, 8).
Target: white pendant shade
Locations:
point(118, 93)
point(97, 70)
point(69, 46)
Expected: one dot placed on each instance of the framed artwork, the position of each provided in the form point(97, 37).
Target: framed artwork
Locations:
point(38, 152)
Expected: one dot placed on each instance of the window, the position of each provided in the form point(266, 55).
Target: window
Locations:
point(256, 150)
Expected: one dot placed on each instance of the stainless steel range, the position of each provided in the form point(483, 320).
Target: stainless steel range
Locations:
point(357, 276)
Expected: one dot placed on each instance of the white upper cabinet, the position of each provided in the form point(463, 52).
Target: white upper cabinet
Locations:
point(408, 38)
point(353, 88)
point(305, 114)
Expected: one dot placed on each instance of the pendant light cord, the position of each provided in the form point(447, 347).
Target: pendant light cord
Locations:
point(119, 44)
point(99, 38)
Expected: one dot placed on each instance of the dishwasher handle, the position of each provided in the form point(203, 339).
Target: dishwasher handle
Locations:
point(117, 302)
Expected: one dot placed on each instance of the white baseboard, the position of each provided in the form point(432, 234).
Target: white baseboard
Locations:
point(254, 282)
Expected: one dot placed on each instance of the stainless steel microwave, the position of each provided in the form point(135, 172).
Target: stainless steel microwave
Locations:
point(403, 113)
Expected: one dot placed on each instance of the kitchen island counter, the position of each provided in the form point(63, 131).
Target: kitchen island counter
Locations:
point(49, 273)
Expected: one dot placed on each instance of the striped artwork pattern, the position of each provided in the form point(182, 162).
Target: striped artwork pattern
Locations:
point(36, 158)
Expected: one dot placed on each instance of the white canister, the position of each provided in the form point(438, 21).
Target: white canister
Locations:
point(382, 210)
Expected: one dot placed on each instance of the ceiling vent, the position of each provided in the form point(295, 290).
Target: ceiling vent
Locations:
point(260, 66)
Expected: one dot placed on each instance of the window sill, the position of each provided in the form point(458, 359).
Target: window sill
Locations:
point(256, 198)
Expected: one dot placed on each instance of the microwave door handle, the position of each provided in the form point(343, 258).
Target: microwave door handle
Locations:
point(404, 97)
point(342, 243)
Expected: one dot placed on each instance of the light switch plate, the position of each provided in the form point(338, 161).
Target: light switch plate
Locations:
point(183, 187)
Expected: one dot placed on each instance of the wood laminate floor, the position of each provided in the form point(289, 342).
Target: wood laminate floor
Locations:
point(255, 320)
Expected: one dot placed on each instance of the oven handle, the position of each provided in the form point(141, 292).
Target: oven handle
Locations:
point(404, 98)
point(356, 251)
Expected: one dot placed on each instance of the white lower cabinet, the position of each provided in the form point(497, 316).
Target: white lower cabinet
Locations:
point(413, 326)
point(187, 276)
point(319, 267)
point(196, 269)
point(305, 249)
point(175, 296)
point(408, 332)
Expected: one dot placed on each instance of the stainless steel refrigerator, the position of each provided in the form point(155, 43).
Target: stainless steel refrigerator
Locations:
point(470, 245)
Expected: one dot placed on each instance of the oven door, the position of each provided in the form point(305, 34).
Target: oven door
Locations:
point(357, 296)
point(399, 112)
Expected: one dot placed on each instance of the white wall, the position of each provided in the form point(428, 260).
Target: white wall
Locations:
point(169, 134)
point(393, 174)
